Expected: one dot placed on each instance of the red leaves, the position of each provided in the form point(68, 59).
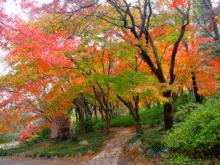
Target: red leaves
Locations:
point(180, 3)
point(177, 3)
point(47, 50)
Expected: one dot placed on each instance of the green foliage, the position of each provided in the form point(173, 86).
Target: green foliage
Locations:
point(89, 126)
point(200, 131)
point(181, 159)
point(153, 142)
point(183, 111)
point(128, 81)
point(184, 98)
point(58, 148)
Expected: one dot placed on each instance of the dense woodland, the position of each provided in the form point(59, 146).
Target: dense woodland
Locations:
point(78, 67)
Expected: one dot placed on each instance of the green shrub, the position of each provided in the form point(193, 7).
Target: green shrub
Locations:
point(98, 124)
point(89, 126)
point(183, 111)
point(152, 142)
point(200, 132)
point(184, 98)
point(181, 159)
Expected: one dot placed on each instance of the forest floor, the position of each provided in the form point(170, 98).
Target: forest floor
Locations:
point(110, 154)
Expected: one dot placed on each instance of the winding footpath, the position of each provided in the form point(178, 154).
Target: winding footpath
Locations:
point(111, 154)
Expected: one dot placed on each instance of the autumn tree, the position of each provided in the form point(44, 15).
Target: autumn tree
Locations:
point(139, 18)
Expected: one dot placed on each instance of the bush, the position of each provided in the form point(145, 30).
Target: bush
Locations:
point(89, 126)
point(183, 111)
point(184, 98)
point(152, 142)
point(200, 132)
point(181, 159)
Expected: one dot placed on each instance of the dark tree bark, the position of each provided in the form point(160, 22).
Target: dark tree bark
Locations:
point(82, 130)
point(107, 123)
point(194, 82)
point(168, 112)
point(95, 112)
point(104, 107)
point(79, 111)
point(195, 89)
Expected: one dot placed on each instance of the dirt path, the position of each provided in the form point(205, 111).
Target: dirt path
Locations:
point(109, 155)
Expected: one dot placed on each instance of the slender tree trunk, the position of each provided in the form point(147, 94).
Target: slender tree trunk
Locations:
point(107, 123)
point(101, 112)
point(78, 103)
point(81, 122)
point(134, 111)
point(138, 127)
point(195, 89)
point(168, 112)
point(95, 112)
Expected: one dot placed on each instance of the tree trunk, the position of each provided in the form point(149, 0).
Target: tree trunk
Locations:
point(95, 112)
point(138, 127)
point(168, 112)
point(195, 89)
point(81, 122)
point(134, 111)
point(107, 123)
point(101, 113)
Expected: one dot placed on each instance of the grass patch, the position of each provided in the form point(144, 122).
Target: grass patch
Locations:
point(6, 138)
point(70, 147)
point(3, 139)
point(152, 116)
